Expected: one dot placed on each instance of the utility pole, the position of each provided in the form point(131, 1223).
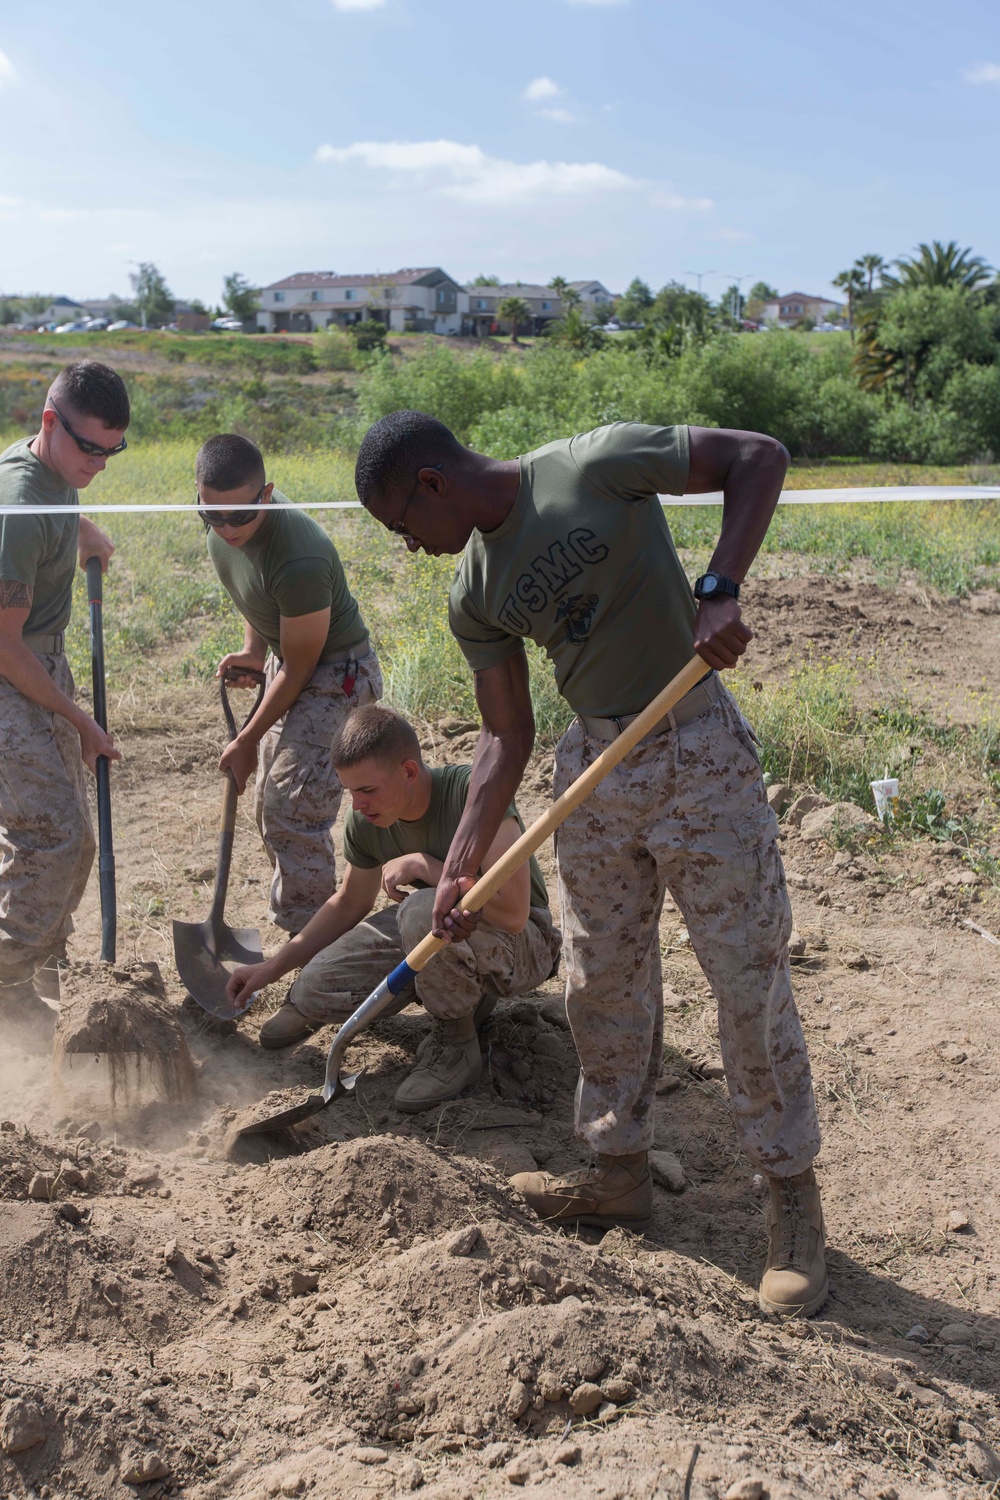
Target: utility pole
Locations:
point(735, 307)
point(698, 275)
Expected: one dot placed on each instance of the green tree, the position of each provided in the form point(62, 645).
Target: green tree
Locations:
point(369, 335)
point(870, 266)
point(758, 296)
point(573, 331)
point(482, 280)
point(852, 284)
point(940, 265)
point(916, 340)
point(559, 285)
point(239, 297)
point(634, 304)
point(515, 311)
point(152, 295)
point(197, 306)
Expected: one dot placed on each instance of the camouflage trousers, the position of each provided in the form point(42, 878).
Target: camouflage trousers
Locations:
point(46, 836)
point(297, 794)
point(491, 962)
point(687, 812)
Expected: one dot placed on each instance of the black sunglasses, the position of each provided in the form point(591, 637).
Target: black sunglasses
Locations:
point(397, 528)
point(220, 518)
point(92, 450)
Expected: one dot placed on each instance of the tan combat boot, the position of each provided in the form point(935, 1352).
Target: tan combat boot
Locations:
point(794, 1283)
point(451, 1062)
point(286, 1027)
point(618, 1192)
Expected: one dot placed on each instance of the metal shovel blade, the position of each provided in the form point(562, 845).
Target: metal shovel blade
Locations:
point(310, 1106)
point(202, 956)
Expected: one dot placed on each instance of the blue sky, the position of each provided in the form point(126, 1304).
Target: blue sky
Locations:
point(583, 138)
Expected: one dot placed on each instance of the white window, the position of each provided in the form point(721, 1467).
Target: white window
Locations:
point(279, 296)
point(314, 296)
point(348, 296)
point(546, 306)
point(481, 302)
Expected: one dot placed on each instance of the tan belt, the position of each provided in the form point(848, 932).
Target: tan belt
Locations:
point(45, 645)
point(698, 701)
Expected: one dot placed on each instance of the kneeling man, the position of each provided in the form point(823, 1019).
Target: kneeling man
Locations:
point(402, 820)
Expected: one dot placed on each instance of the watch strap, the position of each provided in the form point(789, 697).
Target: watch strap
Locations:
point(722, 587)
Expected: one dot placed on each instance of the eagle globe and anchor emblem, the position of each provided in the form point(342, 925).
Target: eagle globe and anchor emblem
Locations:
point(578, 613)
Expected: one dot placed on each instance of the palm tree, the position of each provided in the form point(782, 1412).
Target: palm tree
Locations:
point(852, 283)
point(560, 286)
point(940, 265)
point(515, 311)
point(870, 266)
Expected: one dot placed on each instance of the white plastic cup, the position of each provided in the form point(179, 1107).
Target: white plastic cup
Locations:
point(886, 793)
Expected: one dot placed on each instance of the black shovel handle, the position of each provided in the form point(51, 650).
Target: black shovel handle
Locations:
point(106, 850)
point(227, 826)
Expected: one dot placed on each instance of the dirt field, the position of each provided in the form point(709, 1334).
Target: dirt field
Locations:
point(372, 1312)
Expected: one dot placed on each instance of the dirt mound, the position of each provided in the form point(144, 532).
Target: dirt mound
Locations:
point(119, 1018)
point(375, 1313)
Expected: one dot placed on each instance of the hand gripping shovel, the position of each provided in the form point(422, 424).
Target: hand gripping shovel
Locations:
point(484, 889)
point(106, 855)
point(203, 949)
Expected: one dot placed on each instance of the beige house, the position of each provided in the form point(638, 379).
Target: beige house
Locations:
point(483, 301)
point(413, 300)
point(790, 309)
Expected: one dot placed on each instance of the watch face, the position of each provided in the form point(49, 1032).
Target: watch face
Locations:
point(709, 583)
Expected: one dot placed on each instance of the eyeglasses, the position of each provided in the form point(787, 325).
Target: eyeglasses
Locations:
point(397, 528)
point(92, 450)
point(220, 518)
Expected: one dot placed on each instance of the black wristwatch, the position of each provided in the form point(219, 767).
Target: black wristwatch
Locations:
point(711, 585)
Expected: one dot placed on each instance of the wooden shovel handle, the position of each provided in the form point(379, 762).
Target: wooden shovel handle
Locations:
point(487, 886)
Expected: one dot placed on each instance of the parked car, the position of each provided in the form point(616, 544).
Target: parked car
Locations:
point(71, 328)
point(96, 325)
point(119, 324)
point(228, 325)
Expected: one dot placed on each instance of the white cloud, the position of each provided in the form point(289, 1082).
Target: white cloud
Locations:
point(541, 88)
point(8, 73)
point(358, 4)
point(984, 72)
point(467, 173)
point(559, 115)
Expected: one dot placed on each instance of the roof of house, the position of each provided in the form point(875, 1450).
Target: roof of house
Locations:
point(409, 276)
point(581, 286)
point(513, 289)
point(805, 296)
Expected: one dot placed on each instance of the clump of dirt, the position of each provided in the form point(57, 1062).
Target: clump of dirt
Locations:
point(122, 1014)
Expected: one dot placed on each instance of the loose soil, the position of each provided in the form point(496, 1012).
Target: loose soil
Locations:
point(364, 1307)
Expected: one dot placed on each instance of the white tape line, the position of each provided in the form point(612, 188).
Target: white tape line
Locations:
point(859, 496)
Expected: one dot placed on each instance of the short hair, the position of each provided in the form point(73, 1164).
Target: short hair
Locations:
point(375, 733)
point(396, 447)
point(90, 389)
point(228, 461)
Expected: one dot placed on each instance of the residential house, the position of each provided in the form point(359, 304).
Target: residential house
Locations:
point(413, 300)
point(59, 310)
point(790, 309)
point(482, 317)
point(594, 297)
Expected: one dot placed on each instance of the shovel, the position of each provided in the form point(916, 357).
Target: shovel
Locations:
point(203, 949)
point(106, 855)
point(484, 890)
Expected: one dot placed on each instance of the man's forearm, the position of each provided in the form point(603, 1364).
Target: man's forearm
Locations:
point(25, 672)
point(325, 927)
point(282, 692)
point(496, 775)
point(254, 643)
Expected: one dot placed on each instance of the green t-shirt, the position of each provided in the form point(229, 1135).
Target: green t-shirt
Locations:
point(368, 847)
point(38, 550)
point(289, 567)
point(585, 566)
